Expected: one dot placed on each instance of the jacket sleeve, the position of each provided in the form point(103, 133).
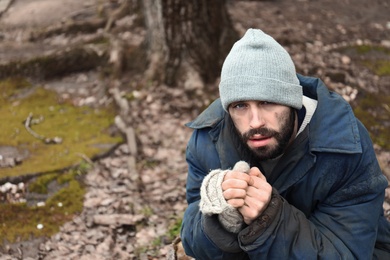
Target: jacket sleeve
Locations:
point(196, 227)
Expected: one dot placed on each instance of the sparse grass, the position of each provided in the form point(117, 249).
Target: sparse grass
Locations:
point(147, 211)
point(174, 230)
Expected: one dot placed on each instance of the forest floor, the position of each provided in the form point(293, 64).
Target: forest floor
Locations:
point(125, 218)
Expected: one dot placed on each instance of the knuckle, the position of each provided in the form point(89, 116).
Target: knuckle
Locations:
point(251, 214)
point(240, 203)
point(224, 186)
point(235, 202)
point(227, 194)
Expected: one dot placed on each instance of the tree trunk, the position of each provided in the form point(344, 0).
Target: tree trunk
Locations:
point(196, 31)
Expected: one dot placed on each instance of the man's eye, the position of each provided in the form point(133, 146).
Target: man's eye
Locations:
point(239, 106)
point(265, 103)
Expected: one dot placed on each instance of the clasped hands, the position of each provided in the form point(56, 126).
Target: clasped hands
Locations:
point(249, 192)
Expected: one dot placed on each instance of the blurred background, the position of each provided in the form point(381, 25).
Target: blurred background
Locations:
point(95, 95)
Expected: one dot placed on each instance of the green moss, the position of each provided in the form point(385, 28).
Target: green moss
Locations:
point(82, 129)
point(66, 197)
point(40, 184)
point(375, 58)
point(19, 222)
point(379, 67)
point(81, 169)
point(365, 49)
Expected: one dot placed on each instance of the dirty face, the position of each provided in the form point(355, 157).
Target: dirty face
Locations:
point(266, 128)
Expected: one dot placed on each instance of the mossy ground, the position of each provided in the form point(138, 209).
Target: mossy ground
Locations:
point(82, 129)
point(380, 63)
point(20, 222)
point(375, 58)
point(373, 109)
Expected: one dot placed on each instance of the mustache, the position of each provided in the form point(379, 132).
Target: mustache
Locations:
point(261, 131)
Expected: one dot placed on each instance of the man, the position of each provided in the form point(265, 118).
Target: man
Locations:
point(280, 168)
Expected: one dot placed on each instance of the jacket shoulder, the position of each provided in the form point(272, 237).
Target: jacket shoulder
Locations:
point(210, 117)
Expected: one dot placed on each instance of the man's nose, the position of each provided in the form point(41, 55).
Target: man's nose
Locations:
point(256, 118)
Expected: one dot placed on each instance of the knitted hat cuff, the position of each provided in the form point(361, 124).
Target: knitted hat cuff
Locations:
point(244, 88)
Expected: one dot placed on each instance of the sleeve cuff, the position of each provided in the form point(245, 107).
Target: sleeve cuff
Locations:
point(223, 239)
point(259, 226)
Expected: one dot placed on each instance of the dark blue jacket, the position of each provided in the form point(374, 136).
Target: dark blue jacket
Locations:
point(330, 186)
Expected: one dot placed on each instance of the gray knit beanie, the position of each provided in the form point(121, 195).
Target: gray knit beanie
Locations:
point(259, 68)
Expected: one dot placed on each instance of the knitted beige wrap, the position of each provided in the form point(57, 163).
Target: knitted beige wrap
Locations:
point(213, 202)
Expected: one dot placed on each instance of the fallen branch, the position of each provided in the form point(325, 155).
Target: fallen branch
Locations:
point(46, 140)
point(123, 120)
point(176, 251)
point(70, 27)
point(117, 219)
point(131, 143)
point(56, 63)
point(118, 14)
point(119, 100)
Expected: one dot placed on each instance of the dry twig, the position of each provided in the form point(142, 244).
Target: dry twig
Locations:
point(46, 140)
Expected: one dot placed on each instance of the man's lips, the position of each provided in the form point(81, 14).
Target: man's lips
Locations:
point(259, 140)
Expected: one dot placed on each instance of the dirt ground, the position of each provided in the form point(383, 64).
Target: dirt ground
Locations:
point(328, 21)
point(309, 29)
point(35, 13)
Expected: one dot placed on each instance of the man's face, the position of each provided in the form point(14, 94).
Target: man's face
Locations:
point(266, 128)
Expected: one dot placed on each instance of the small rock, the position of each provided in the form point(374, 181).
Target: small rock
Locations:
point(345, 60)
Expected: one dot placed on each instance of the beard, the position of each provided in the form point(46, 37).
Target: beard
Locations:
point(287, 123)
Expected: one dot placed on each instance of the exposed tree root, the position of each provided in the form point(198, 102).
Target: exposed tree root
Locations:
point(56, 64)
point(70, 27)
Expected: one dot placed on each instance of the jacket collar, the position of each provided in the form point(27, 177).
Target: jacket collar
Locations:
point(333, 127)
point(209, 117)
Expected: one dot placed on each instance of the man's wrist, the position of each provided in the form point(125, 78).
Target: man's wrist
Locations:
point(261, 223)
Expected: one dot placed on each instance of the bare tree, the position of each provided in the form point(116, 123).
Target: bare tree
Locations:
point(194, 32)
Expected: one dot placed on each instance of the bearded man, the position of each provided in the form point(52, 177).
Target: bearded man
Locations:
point(280, 168)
